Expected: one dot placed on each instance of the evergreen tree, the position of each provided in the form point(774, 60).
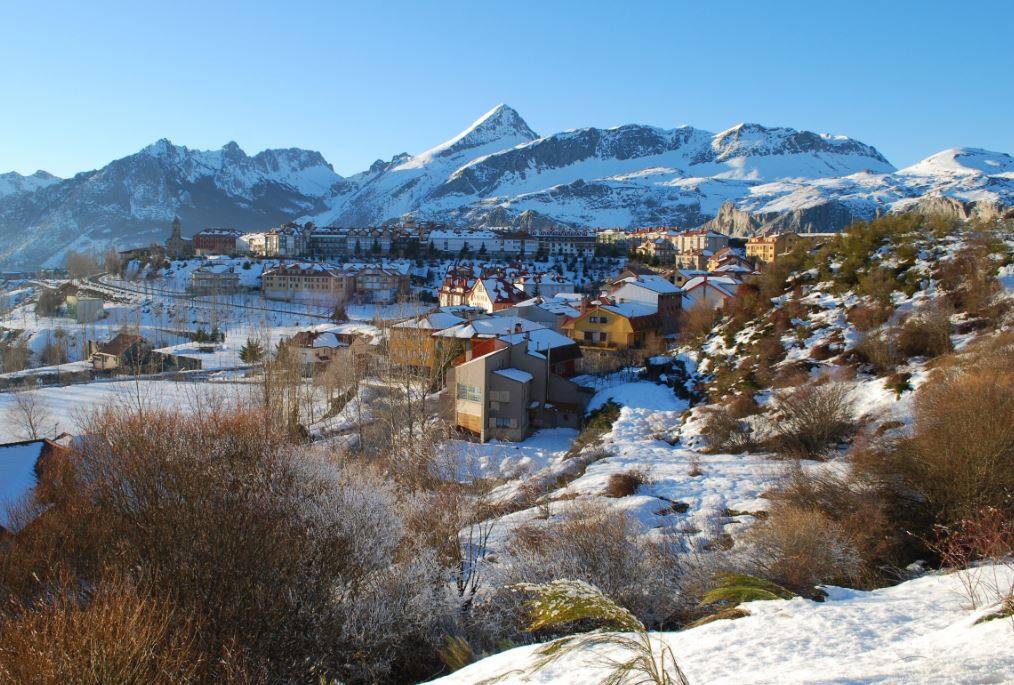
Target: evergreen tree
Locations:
point(252, 352)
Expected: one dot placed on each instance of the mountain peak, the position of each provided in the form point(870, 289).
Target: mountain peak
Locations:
point(501, 125)
point(964, 161)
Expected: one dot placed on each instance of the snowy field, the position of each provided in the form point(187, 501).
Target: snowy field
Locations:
point(67, 408)
point(920, 632)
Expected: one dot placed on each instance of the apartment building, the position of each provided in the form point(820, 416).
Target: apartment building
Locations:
point(509, 391)
point(308, 283)
point(766, 248)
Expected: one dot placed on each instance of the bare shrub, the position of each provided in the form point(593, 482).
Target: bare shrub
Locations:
point(879, 349)
point(960, 457)
point(812, 419)
point(865, 516)
point(113, 633)
point(987, 535)
point(801, 548)
point(698, 321)
point(29, 414)
point(878, 284)
point(625, 484)
point(724, 431)
point(83, 264)
point(264, 542)
point(927, 333)
point(15, 355)
point(602, 548)
point(969, 278)
point(866, 317)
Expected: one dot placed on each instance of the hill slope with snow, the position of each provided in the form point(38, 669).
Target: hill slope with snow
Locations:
point(921, 631)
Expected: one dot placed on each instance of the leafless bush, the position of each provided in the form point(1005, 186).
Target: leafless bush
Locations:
point(866, 317)
point(698, 321)
point(811, 419)
point(602, 548)
point(927, 333)
point(987, 535)
point(879, 349)
point(113, 633)
point(864, 513)
point(29, 414)
point(625, 484)
point(800, 548)
point(960, 457)
point(725, 431)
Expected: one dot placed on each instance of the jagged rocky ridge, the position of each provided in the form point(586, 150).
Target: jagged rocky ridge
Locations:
point(497, 172)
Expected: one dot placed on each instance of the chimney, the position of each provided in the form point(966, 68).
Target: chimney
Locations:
point(517, 327)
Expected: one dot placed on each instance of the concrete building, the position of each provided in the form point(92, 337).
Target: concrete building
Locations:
point(221, 241)
point(767, 248)
point(314, 283)
point(653, 291)
point(615, 327)
point(85, 309)
point(510, 390)
point(214, 279)
point(711, 289)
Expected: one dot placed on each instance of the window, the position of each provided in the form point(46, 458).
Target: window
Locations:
point(468, 393)
point(502, 422)
point(500, 395)
point(598, 319)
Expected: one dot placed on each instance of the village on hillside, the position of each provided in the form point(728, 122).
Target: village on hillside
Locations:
point(670, 429)
point(531, 319)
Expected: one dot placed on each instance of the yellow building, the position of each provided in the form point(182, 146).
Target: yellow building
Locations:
point(616, 327)
point(412, 342)
point(765, 248)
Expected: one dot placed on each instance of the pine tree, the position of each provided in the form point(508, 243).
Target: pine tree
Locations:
point(252, 352)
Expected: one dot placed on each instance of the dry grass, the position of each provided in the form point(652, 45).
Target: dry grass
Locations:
point(625, 484)
point(112, 634)
point(960, 457)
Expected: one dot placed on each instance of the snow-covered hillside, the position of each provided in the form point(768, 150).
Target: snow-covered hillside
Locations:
point(921, 631)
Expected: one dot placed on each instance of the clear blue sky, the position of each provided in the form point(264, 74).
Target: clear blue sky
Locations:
point(83, 83)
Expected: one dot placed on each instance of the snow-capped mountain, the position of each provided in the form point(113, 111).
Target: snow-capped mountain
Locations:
point(498, 171)
point(642, 175)
point(408, 182)
point(132, 200)
point(587, 176)
point(13, 183)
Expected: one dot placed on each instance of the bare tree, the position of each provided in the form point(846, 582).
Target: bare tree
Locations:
point(29, 414)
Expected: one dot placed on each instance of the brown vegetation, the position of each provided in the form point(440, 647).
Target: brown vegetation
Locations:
point(624, 484)
point(812, 419)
